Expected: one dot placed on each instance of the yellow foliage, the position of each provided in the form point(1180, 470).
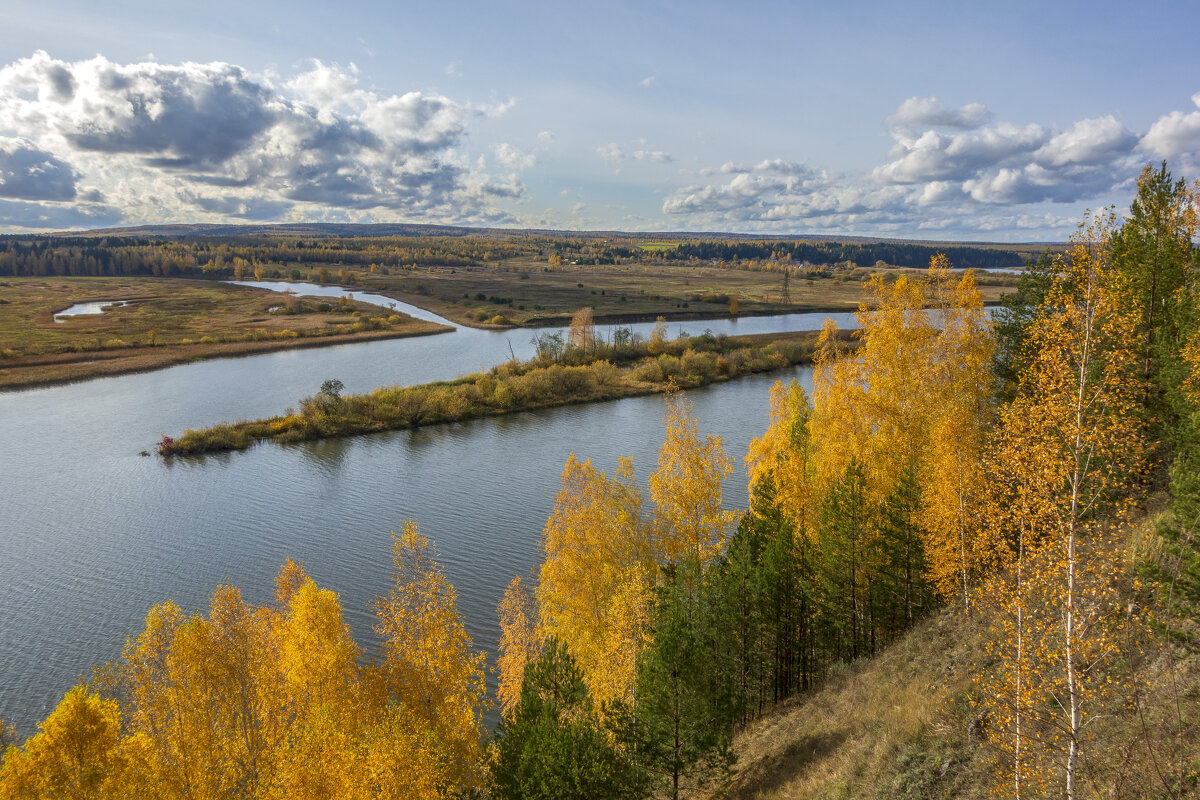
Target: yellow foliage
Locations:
point(1065, 457)
point(77, 754)
point(520, 642)
point(686, 490)
point(915, 394)
point(429, 665)
point(597, 549)
point(783, 453)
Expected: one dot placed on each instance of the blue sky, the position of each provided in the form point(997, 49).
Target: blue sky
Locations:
point(928, 120)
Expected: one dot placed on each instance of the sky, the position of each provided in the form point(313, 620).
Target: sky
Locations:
point(924, 120)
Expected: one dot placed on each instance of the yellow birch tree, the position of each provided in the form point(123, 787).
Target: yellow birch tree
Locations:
point(686, 490)
point(431, 677)
point(598, 551)
point(1067, 458)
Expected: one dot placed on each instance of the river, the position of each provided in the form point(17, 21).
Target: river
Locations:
point(92, 533)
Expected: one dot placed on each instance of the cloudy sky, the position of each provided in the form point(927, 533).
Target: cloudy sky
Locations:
point(998, 121)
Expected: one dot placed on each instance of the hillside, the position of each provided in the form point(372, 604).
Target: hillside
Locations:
point(902, 725)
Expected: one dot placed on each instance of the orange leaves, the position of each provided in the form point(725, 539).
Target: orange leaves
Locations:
point(914, 395)
point(783, 452)
point(520, 642)
point(78, 753)
point(1065, 457)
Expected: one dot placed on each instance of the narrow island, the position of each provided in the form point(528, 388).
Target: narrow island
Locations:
point(561, 374)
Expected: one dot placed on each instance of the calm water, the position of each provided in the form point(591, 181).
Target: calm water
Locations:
point(82, 309)
point(92, 533)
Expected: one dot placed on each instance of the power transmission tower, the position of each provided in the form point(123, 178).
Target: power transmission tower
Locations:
point(785, 294)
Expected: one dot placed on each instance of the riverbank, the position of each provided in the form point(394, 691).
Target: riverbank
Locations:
point(28, 372)
point(577, 377)
point(161, 322)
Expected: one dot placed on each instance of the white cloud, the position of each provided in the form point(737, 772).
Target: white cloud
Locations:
point(513, 158)
point(1089, 141)
point(175, 140)
point(953, 175)
point(616, 154)
point(1176, 136)
point(924, 112)
point(646, 81)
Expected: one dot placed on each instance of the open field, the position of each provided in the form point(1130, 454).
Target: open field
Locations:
point(527, 292)
point(166, 321)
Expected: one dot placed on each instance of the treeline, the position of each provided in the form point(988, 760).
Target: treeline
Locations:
point(581, 371)
point(860, 254)
point(275, 256)
point(683, 620)
point(218, 257)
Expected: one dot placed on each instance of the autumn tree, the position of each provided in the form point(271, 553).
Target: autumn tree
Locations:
point(582, 333)
point(914, 396)
point(658, 337)
point(689, 521)
point(78, 753)
point(1067, 455)
point(431, 676)
point(782, 454)
point(520, 642)
point(594, 586)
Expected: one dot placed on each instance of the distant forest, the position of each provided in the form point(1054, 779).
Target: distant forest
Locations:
point(221, 257)
point(862, 254)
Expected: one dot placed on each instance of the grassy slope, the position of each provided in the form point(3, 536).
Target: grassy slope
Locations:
point(883, 728)
point(899, 726)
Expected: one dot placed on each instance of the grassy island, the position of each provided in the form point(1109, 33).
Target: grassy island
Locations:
point(573, 376)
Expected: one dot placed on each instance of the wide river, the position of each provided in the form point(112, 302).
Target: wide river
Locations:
point(92, 533)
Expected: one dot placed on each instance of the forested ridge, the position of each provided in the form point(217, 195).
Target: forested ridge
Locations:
point(990, 471)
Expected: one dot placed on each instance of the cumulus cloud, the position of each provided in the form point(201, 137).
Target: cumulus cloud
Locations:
point(218, 139)
point(926, 112)
point(949, 169)
point(27, 173)
point(1006, 163)
point(1176, 136)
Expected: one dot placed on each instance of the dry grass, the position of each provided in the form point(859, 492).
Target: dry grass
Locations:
point(167, 321)
point(624, 292)
point(899, 726)
point(867, 731)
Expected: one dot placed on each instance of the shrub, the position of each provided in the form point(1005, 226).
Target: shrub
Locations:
point(649, 371)
point(698, 366)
